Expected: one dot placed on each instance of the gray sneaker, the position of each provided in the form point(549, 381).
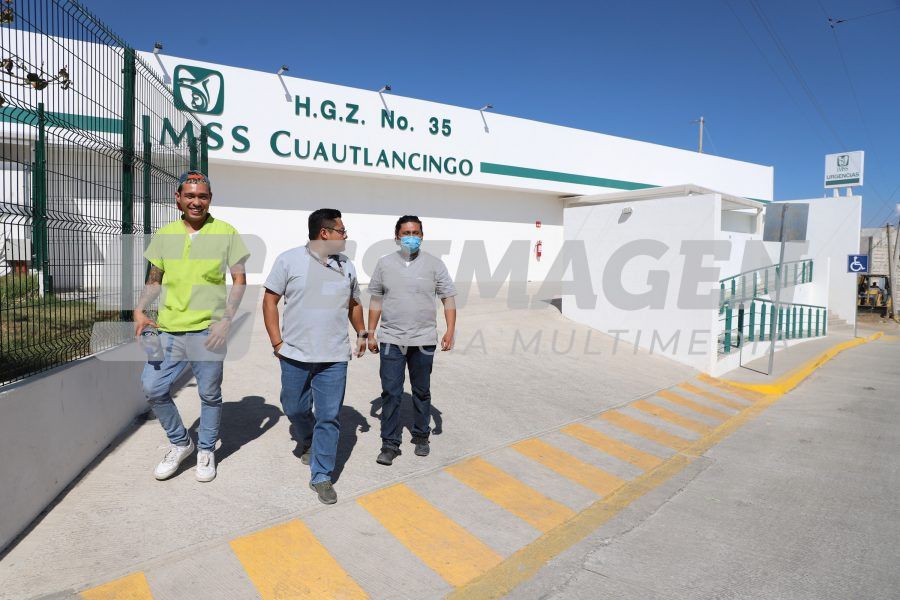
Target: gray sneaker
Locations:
point(304, 458)
point(325, 490)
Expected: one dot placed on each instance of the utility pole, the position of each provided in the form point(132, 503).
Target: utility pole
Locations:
point(893, 283)
point(701, 121)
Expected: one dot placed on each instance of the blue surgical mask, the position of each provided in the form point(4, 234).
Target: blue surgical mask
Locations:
point(411, 243)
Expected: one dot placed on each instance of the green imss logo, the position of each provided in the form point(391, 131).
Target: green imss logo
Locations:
point(199, 90)
point(843, 160)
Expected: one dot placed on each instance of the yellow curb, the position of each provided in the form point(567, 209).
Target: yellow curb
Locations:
point(890, 338)
point(791, 380)
point(524, 564)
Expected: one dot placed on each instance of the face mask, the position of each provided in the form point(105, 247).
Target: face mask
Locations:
point(411, 243)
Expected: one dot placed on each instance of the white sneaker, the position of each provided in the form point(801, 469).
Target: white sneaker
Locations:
point(206, 465)
point(174, 457)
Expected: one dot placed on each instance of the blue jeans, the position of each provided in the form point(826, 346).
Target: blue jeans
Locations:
point(181, 349)
point(315, 386)
point(394, 362)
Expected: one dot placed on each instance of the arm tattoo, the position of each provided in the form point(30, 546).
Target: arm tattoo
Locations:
point(156, 275)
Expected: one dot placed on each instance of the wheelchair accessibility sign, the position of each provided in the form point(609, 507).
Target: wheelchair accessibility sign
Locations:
point(857, 263)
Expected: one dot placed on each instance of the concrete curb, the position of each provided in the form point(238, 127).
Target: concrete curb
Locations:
point(791, 380)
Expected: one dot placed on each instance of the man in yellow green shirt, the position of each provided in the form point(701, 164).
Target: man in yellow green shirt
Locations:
point(188, 260)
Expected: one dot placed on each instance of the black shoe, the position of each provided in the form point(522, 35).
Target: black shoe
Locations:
point(326, 492)
point(422, 448)
point(387, 456)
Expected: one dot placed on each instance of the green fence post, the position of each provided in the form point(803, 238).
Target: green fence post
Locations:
point(727, 342)
point(128, 125)
point(787, 323)
point(40, 238)
point(817, 322)
point(721, 297)
point(147, 180)
point(755, 282)
point(733, 288)
point(766, 283)
point(809, 323)
point(796, 273)
point(803, 273)
point(800, 324)
point(824, 321)
point(752, 336)
point(204, 150)
point(810, 270)
point(781, 323)
point(762, 322)
point(195, 158)
point(794, 322)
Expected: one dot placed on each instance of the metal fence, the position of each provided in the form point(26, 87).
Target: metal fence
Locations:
point(91, 146)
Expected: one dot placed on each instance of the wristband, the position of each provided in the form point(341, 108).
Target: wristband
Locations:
point(278, 343)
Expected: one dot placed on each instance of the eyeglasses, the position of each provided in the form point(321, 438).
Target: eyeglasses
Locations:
point(340, 231)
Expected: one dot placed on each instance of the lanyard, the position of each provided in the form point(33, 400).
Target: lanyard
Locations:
point(339, 269)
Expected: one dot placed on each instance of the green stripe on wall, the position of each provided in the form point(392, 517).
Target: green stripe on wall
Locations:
point(512, 171)
point(12, 114)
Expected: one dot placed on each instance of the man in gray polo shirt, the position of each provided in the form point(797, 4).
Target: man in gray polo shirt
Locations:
point(403, 289)
point(320, 292)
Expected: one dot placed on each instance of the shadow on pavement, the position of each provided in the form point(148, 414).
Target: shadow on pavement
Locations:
point(242, 422)
point(407, 414)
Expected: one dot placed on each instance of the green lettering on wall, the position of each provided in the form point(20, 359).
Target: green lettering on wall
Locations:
point(213, 130)
point(237, 132)
point(169, 130)
point(273, 143)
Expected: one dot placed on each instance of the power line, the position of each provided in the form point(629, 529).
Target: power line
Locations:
point(834, 22)
point(862, 120)
point(775, 72)
point(796, 71)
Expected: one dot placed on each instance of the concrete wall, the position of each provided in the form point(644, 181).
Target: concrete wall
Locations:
point(604, 230)
point(53, 425)
point(274, 204)
point(833, 233)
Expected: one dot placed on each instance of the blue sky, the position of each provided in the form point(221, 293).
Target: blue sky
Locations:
point(640, 69)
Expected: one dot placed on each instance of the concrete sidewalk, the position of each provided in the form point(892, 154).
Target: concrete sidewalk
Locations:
point(536, 422)
point(515, 373)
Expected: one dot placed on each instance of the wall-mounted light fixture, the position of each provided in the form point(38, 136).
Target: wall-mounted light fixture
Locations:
point(283, 69)
point(486, 107)
point(385, 88)
point(157, 47)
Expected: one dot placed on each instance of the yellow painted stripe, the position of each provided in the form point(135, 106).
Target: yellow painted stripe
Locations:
point(130, 587)
point(511, 494)
point(443, 545)
point(643, 429)
point(695, 406)
point(731, 389)
point(595, 479)
point(287, 561)
point(528, 561)
point(714, 397)
point(672, 417)
point(789, 381)
point(612, 446)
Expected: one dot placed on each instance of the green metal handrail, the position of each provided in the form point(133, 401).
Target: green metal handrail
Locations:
point(760, 282)
point(751, 322)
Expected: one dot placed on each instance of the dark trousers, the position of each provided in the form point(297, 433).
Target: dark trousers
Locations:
point(394, 362)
